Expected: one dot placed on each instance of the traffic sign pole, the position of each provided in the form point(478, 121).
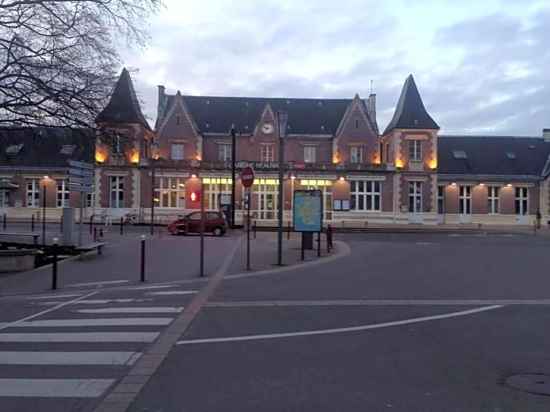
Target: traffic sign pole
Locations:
point(202, 230)
point(247, 180)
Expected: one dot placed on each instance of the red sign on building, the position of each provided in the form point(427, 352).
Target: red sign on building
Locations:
point(247, 177)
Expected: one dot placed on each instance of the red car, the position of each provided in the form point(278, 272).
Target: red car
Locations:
point(214, 222)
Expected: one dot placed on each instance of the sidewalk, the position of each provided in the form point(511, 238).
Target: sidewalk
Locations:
point(263, 251)
point(168, 258)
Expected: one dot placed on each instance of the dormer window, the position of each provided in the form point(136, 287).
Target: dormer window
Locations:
point(177, 152)
point(14, 149)
point(415, 150)
point(356, 154)
point(67, 149)
point(116, 146)
point(459, 154)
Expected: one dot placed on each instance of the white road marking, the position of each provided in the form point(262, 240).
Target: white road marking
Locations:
point(152, 287)
point(338, 330)
point(378, 302)
point(15, 323)
point(53, 296)
point(99, 301)
point(68, 358)
point(47, 323)
point(108, 282)
point(151, 309)
point(142, 337)
point(54, 388)
point(172, 292)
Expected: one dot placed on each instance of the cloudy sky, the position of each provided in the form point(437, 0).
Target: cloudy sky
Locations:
point(482, 67)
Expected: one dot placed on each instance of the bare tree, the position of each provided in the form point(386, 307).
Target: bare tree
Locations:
point(57, 57)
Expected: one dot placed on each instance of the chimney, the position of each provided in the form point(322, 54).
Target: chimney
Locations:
point(546, 135)
point(161, 108)
point(371, 106)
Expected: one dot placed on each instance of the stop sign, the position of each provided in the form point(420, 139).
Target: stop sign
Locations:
point(247, 176)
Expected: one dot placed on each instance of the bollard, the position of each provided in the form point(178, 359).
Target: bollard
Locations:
point(142, 277)
point(121, 225)
point(95, 234)
point(329, 238)
point(101, 233)
point(54, 264)
point(32, 223)
point(288, 233)
point(318, 244)
point(5, 221)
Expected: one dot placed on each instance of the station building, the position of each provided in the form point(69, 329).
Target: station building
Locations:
point(407, 173)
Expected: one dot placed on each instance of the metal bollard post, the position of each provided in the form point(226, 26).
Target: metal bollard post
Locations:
point(288, 233)
point(95, 234)
point(121, 225)
point(5, 221)
point(142, 258)
point(318, 244)
point(101, 232)
point(54, 263)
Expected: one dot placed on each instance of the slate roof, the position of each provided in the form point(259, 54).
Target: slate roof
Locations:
point(123, 107)
point(410, 112)
point(305, 116)
point(42, 147)
point(488, 155)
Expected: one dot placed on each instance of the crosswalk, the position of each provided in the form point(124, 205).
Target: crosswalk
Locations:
point(82, 349)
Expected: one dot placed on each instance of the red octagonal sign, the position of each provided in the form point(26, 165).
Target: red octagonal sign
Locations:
point(247, 176)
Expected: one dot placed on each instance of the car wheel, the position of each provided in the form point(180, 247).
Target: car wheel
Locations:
point(218, 231)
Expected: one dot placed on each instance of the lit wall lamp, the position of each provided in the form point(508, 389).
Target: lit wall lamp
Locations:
point(342, 179)
point(509, 185)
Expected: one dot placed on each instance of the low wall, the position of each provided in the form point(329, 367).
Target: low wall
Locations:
point(17, 260)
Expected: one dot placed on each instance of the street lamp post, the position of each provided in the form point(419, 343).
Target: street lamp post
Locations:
point(233, 162)
point(282, 119)
point(154, 147)
point(44, 182)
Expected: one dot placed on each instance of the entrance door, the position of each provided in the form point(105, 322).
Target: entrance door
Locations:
point(415, 202)
point(465, 204)
point(325, 186)
point(266, 200)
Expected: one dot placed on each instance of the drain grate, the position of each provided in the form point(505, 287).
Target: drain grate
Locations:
point(537, 383)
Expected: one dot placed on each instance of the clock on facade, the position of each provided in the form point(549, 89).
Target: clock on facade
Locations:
point(267, 128)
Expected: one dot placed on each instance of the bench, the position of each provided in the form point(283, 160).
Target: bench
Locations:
point(90, 247)
point(34, 236)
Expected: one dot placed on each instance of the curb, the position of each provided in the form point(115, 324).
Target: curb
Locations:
point(128, 388)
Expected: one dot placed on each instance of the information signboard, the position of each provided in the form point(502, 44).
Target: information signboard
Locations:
point(308, 211)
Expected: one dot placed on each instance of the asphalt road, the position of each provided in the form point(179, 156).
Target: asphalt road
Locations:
point(405, 323)
point(402, 323)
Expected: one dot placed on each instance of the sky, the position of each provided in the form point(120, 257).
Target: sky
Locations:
point(482, 67)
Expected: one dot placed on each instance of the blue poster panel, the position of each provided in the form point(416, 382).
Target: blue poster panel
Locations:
point(308, 211)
